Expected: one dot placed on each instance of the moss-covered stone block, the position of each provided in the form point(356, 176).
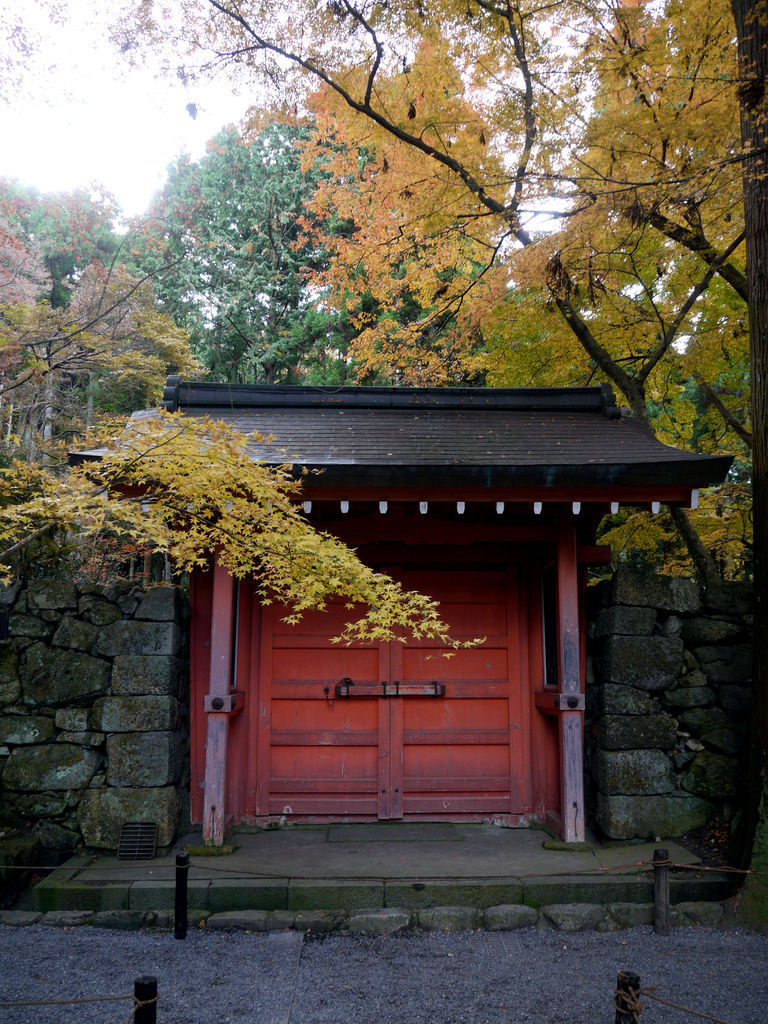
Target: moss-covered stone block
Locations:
point(375, 921)
point(540, 892)
point(161, 604)
point(637, 732)
point(104, 811)
point(152, 713)
point(712, 775)
point(160, 894)
point(324, 895)
point(49, 595)
point(631, 915)
point(51, 894)
point(144, 674)
point(98, 610)
point(247, 894)
point(612, 699)
point(638, 817)
point(448, 919)
point(669, 593)
point(63, 677)
point(508, 916)
point(10, 683)
point(448, 892)
point(634, 771)
point(649, 663)
point(131, 637)
point(58, 766)
point(144, 759)
point(15, 729)
point(574, 917)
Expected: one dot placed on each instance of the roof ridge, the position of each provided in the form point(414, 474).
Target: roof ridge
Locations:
point(190, 394)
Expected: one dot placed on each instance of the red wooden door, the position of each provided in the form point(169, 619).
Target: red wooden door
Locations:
point(441, 738)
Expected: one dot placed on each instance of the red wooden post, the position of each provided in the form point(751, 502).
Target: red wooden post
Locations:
point(214, 788)
point(569, 660)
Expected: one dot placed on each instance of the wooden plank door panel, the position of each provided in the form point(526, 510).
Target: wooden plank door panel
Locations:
point(456, 749)
point(324, 751)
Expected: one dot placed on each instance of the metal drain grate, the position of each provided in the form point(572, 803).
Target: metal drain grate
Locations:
point(138, 840)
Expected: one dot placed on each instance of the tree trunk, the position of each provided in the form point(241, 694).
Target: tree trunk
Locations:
point(752, 30)
point(698, 551)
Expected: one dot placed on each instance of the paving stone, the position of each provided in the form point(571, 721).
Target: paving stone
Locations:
point(708, 888)
point(574, 917)
point(67, 918)
point(384, 921)
point(124, 920)
point(448, 919)
point(281, 919)
point(507, 916)
point(60, 896)
point(708, 914)
point(19, 918)
point(320, 920)
point(160, 894)
point(225, 894)
point(164, 920)
point(630, 915)
point(601, 888)
point(239, 920)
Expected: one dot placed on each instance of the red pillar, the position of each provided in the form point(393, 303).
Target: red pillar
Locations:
point(218, 706)
point(572, 702)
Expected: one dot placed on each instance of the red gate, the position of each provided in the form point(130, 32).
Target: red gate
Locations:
point(395, 730)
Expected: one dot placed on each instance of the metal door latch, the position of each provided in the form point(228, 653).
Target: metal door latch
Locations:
point(342, 688)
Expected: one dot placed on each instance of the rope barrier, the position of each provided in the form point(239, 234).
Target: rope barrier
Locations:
point(628, 1001)
point(138, 1003)
point(648, 992)
point(66, 1002)
point(643, 866)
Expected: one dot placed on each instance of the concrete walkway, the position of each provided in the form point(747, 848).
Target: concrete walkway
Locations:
point(347, 867)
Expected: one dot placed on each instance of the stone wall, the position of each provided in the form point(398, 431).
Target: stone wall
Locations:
point(668, 695)
point(93, 715)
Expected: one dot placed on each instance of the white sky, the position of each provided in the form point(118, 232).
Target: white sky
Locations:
point(79, 117)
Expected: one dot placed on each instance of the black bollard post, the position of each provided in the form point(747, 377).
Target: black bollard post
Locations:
point(180, 904)
point(662, 911)
point(626, 1001)
point(144, 990)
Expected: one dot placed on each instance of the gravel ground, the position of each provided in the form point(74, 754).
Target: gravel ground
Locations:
point(479, 978)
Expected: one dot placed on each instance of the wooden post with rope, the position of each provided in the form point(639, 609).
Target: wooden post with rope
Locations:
point(145, 996)
point(662, 910)
point(626, 999)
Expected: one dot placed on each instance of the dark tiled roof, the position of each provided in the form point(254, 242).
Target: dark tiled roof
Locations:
point(491, 437)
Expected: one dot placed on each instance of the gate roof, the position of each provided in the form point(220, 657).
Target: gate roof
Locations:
point(488, 437)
